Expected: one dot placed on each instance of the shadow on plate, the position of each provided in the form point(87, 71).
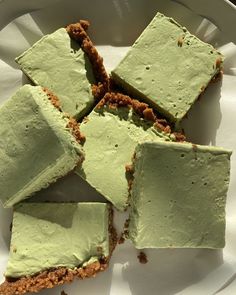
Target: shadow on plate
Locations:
point(205, 116)
point(169, 271)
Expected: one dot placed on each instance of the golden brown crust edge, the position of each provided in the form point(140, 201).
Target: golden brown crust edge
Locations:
point(116, 99)
point(59, 276)
point(78, 32)
point(72, 123)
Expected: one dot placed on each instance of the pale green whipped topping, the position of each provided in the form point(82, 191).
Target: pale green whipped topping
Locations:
point(111, 137)
point(168, 67)
point(51, 235)
point(36, 146)
point(58, 63)
point(178, 196)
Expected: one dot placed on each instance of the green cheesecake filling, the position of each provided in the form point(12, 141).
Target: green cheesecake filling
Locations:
point(58, 63)
point(178, 196)
point(112, 132)
point(168, 67)
point(36, 145)
point(46, 236)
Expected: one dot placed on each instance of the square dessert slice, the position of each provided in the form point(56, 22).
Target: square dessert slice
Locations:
point(53, 243)
point(178, 196)
point(67, 67)
point(112, 131)
point(38, 144)
point(168, 67)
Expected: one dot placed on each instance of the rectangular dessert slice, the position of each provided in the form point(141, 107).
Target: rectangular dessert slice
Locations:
point(112, 131)
point(178, 196)
point(66, 67)
point(38, 144)
point(53, 243)
point(168, 67)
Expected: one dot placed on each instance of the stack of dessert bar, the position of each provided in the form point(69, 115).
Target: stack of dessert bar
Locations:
point(121, 133)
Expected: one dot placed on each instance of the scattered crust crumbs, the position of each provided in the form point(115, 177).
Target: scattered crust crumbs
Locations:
point(116, 99)
point(99, 249)
point(179, 136)
point(180, 40)
point(74, 126)
point(61, 275)
point(142, 258)
point(112, 232)
point(77, 32)
point(219, 62)
point(217, 77)
point(129, 168)
point(99, 90)
point(53, 98)
point(121, 240)
point(63, 293)
point(125, 232)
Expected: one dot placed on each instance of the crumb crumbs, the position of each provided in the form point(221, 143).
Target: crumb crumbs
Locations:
point(180, 40)
point(219, 62)
point(63, 293)
point(203, 88)
point(99, 249)
point(217, 77)
point(114, 100)
point(74, 126)
point(99, 90)
point(14, 249)
point(121, 239)
point(77, 32)
point(125, 233)
point(180, 137)
point(142, 258)
point(129, 168)
point(53, 98)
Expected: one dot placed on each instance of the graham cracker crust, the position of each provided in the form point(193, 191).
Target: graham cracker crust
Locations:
point(73, 125)
point(78, 32)
point(142, 257)
point(75, 130)
point(53, 98)
point(116, 99)
point(61, 275)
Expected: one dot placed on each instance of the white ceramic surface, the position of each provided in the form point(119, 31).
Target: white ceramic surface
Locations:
point(115, 25)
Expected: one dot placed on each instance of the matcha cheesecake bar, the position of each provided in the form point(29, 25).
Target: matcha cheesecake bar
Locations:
point(168, 67)
point(38, 144)
point(54, 243)
point(112, 131)
point(67, 63)
point(178, 195)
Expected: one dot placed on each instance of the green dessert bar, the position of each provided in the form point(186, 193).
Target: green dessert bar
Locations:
point(178, 196)
point(112, 131)
point(37, 144)
point(66, 67)
point(168, 67)
point(53, 243)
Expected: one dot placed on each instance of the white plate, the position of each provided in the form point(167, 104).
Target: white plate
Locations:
point(115, 25)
